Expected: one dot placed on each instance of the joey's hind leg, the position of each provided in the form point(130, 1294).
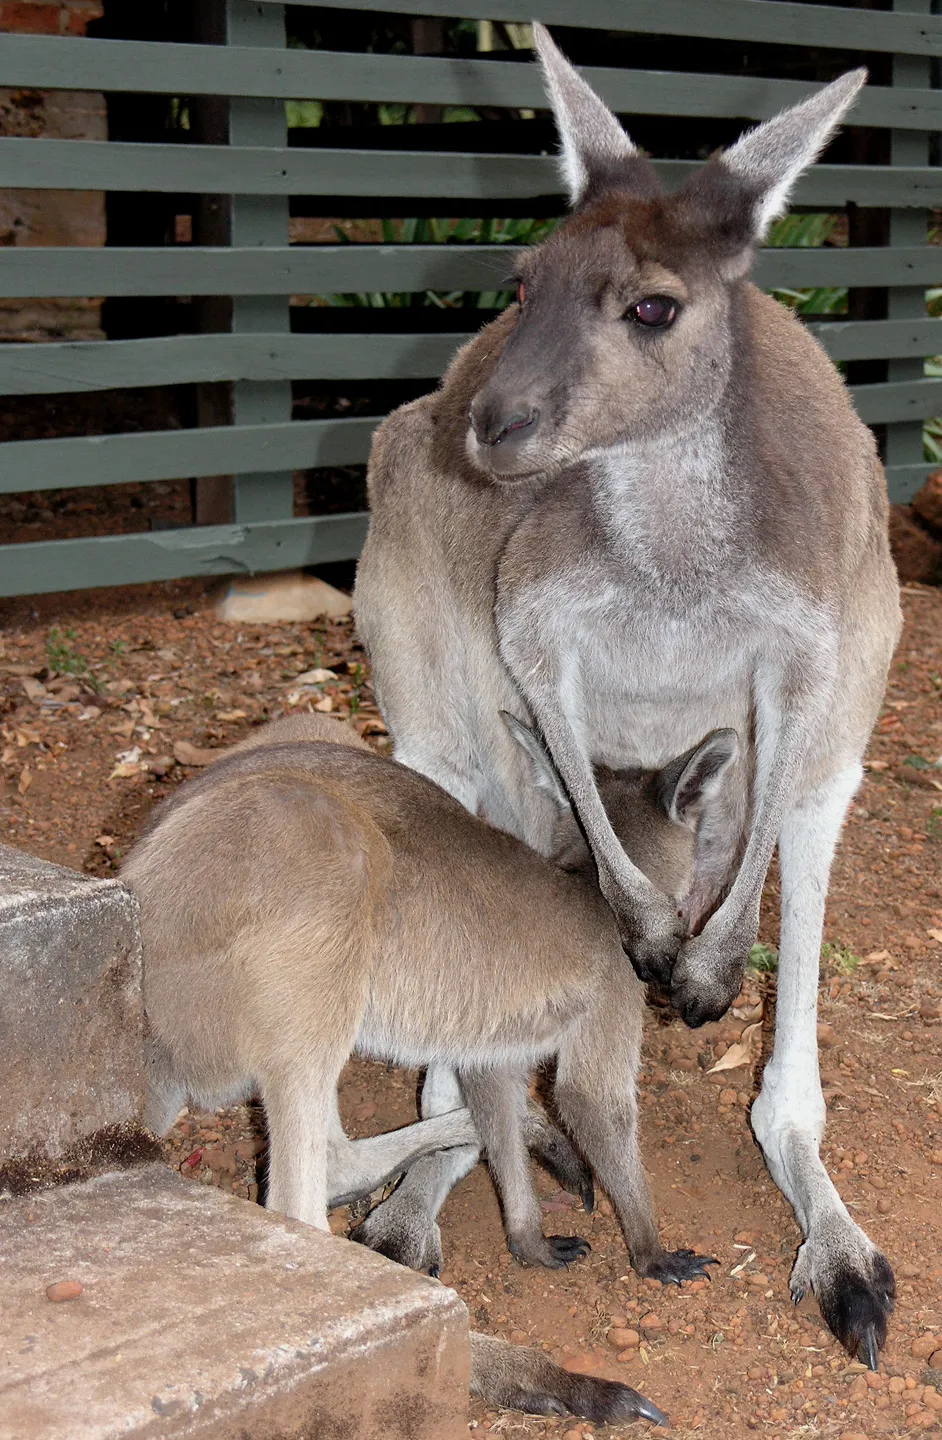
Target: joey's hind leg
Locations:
point(851, 1280)
point(497, 1100)
point(595, 1097)
point(557, 1154)
point(405, 1227)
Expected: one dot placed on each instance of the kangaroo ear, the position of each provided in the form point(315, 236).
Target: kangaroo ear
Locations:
point(769, 159)
point(687, 785)
point(595, 151)
point(545, 776)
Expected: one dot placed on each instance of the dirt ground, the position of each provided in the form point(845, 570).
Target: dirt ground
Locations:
point(100, 696)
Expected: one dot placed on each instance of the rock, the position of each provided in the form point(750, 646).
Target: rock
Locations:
point(935, 1360)
point(623, 1339)
point(935, 1157)
point(651, 1323)
point(884, 1205)
point(727, 1097)
point(918, 554)
point(263, 599)
point(826, 1036)
point(927, 502)
point(923, 1347)
point(930, 1009)
point(64, 1290)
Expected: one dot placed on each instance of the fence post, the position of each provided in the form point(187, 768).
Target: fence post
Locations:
point(908, 227)
point(259, 220)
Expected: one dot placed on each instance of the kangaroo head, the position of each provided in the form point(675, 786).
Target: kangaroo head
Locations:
point(673, 823)
point(627, 315)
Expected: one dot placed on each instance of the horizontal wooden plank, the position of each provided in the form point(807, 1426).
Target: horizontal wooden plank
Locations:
point(75, 367)
point(46, 566)
point(767, 21)
point(48, 62)
point(897, 400)
point(257, 170)
point(41, 270)
point(177, 454)
point(873, 339)
point(902, 481)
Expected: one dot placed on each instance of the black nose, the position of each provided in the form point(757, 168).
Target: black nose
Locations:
point(493, 424)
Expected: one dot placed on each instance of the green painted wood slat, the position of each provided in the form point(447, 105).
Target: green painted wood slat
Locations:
point(46, 566)
point(772, 22)
point(50, 271)
point(177, 454)
point(266, 170)
point(78, 367)
point(146, 67)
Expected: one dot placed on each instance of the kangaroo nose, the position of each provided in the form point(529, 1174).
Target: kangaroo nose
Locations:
point(492, 426)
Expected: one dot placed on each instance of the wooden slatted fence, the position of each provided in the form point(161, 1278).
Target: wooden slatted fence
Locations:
point(259, 270)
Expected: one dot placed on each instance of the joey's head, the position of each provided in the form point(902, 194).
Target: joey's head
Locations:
point(674, 823)
point(626, 315)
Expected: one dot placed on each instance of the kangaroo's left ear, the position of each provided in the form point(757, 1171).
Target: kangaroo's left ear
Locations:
point(545, 775)
point(770, 158)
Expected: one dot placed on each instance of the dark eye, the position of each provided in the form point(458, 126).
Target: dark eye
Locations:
point(521, 292)
point(654, 311)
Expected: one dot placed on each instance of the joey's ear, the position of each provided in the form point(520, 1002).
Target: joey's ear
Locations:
point(687, 785)
point(544, 771)
point(769, 159)
point(595, 151)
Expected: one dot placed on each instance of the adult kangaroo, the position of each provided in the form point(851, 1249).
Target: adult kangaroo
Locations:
point(639, 508)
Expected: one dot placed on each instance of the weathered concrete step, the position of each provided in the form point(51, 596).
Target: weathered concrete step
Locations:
point(71, 1013)
point(202, 1315)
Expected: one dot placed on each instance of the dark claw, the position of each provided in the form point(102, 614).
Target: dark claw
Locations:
point(649, 1411)
point(568, 1248)
point(673, 1267)
point(587, 1196)
point(857, 1310)
point(434, 1271)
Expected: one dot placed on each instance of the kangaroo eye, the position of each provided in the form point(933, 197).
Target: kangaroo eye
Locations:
point(521, 292)
point(655, 312)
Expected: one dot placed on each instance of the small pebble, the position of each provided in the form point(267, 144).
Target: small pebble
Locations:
point(64, 1290)
point(923, 1347)
point(624, 1339)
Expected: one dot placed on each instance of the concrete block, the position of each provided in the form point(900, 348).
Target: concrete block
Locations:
point(71, 1013)
point(202, 1315)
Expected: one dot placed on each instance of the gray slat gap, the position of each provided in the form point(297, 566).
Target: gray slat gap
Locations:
point(143, 67)
point(771, 21)
point(261, 170)
point(48, 271)
point(80, 366)
point(54, 565)
point(902, 481)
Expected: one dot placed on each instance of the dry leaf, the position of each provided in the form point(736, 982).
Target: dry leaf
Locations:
point(875, 956)
point(125, 769)
point(739, 1053)
point(935, 935)
point(25, 780)
point(21, 669)
point(125, 729)
point(26, 735)
point(91, 712)
point(9, 753)
point(231, 715)
point(188, 754)
point(876, 764)
point(314, 677)
point(325, 705)
point(33, 689)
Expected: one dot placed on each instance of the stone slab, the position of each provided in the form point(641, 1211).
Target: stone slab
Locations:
point(71, 1012)
point(203, 1315)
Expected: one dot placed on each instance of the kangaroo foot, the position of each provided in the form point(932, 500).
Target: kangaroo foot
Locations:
point(673, 1267)
point(556, 1252)
point(408, 1238)
point(855, 1288)
point(515, 1378)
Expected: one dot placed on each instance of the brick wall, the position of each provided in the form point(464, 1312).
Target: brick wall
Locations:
point(44, 217)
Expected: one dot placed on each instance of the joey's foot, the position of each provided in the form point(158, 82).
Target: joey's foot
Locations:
point(516, 1378)
point(707, 978)
point(556, 1153)
point(410, 1239)
point(556, 1252)
point(673, 1267)
point(855, 1288)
